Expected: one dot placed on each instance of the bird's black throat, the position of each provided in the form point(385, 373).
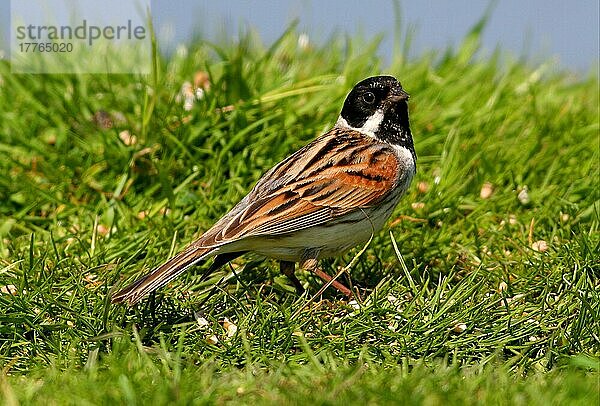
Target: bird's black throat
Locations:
point(395, 127)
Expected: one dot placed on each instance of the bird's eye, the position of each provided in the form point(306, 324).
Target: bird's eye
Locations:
point(369, 98)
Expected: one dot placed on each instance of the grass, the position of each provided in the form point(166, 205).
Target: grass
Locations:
point(483, 288)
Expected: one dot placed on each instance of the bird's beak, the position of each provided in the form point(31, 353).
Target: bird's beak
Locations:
point(398, 95)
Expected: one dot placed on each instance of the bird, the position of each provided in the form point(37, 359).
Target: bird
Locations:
point(326, 198)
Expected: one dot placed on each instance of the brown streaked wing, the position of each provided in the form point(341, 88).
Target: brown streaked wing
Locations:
point(335, 174)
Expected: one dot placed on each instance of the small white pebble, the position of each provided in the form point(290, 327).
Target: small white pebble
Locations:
point(102, 229)
point(523, 195)
point(459, 328)
point(354, 304)
point(486, 190)
point(515, 298)
point(187, 95)
point(91, 277)
point(229, 327)
point(212, 340)
point(418, 205)
point(201, 320)
point(127, 138)
point(422, 187)
point(540, 246)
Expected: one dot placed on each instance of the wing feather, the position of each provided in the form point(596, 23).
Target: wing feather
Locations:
point(340, 172)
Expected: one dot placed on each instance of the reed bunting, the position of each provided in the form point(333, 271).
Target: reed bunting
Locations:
point(324, 199)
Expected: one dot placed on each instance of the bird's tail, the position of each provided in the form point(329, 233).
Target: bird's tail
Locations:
point(163, 274)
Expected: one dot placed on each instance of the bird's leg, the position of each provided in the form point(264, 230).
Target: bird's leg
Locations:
point(313, 266)
point(287, 268)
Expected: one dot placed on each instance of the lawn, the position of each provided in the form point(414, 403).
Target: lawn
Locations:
point(484, 287)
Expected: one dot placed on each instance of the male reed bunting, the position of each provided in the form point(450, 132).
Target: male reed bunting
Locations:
point(324, 199)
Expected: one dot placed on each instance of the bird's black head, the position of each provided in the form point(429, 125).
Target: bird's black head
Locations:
point(378, 106)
